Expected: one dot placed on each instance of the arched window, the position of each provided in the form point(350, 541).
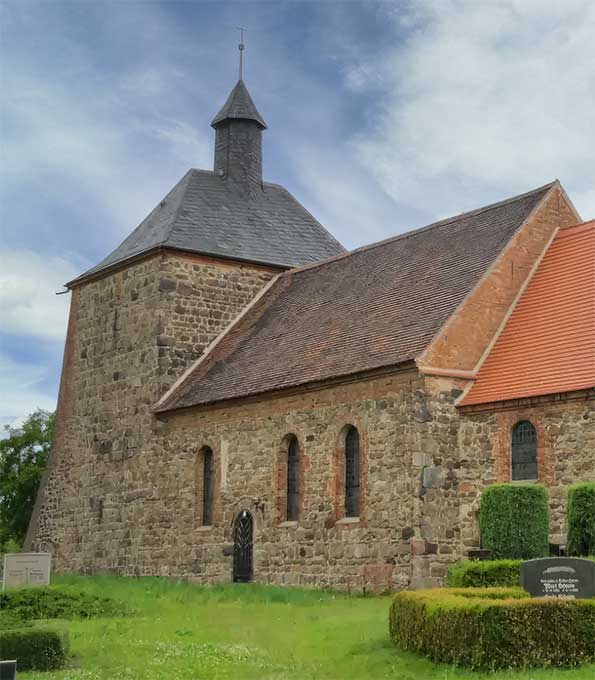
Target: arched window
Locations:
point(524, 451)
point(352, 473)
point(208, 486)
point(293, 480)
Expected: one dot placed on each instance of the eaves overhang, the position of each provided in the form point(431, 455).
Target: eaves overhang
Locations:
point(406, 366)
point(151, 252)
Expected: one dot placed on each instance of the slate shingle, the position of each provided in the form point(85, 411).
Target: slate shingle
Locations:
point(206, 214)
point(377, 306)
point(239, 104)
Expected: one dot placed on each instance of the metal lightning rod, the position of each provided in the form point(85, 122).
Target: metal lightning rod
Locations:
point(241, 48)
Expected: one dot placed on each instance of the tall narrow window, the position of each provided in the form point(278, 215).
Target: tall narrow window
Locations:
point(524, 451)
point(208, 486)
point(352, 473)
point(293, 480)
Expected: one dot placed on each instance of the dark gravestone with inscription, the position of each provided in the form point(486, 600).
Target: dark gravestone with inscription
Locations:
point(571, 577)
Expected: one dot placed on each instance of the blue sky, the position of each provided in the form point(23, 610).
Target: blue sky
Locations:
point(382, 117)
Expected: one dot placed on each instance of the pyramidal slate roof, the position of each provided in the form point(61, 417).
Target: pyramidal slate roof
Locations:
point(378, 306)
point(205, 214)
point(239, 104)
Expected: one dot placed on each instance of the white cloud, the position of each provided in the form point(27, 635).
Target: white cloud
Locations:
point(184, 142)
point(22, 390)
point(29, 305)
point(484, 99)
point(95, 158)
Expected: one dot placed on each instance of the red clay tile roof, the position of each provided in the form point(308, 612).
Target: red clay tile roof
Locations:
point(378, 306)
point(548, 343)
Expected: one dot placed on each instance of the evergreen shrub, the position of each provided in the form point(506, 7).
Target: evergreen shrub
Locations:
point(514, 521)
point(581, 519)
point(484, 574)
point(493, 628)
point(54, 602)
point(35, 649)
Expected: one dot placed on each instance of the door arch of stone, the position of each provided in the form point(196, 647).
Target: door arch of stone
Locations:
point(243, 531)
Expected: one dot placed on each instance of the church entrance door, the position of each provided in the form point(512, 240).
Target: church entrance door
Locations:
point(242, 547)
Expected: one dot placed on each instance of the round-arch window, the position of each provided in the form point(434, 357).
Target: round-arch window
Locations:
point(208, 486)
point(293, 480)
point(352, 473)
point(524, 451)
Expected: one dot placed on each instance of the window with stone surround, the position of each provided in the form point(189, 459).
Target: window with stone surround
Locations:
point(206, 484)
point(293, 480)
point(352, 473)
point(524, 452)
point(288, 479)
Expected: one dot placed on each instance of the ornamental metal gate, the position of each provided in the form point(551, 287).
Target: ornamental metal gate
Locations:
point(242, 548)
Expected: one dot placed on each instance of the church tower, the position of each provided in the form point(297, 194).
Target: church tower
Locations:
point(138, 320)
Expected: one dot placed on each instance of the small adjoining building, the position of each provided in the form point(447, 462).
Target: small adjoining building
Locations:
point(243, 399)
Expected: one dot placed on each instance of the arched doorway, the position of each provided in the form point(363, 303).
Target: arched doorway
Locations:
point(242, 547)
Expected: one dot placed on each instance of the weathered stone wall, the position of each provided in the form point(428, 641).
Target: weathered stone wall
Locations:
point(123, 490)
point(565, 429)
point(131, 334)
point(423, 468)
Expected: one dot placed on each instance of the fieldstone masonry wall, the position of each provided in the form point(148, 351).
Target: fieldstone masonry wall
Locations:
point(565, 429)
point(425, 468)
point(131, 335)
point(123, 491)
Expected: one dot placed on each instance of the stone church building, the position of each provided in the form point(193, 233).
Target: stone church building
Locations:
point(243, 399)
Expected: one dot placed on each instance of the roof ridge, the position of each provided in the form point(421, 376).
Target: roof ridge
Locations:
point(580, 226)
point(293, 198)
point(549, 318)
point(312, 315)
point(427, 227)
point(99, 267)
point(183, 190)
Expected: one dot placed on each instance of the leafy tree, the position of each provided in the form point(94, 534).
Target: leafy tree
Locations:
point(23, 456)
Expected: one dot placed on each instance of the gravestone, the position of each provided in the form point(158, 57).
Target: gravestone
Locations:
point(8, 670)
point(26, 569)
point(571, 577)
point(479, 554)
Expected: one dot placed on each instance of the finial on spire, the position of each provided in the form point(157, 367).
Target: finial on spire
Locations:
point(241, 48)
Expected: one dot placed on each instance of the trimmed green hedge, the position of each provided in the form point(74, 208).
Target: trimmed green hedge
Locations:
point(514, 521)
point(54, 602)
point(35, 649)
point(581, 519)
point(484, 574)
point(493, 628)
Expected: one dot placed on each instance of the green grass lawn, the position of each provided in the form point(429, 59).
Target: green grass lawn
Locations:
point(181, 631)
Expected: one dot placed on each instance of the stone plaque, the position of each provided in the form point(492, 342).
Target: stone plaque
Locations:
point(26, 569)
point(571, 577)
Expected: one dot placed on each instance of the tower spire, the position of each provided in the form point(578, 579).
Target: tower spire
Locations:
point(241, 48)
point(238, 135)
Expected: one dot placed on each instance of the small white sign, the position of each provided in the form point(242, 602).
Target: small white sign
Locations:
point(26, 569)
